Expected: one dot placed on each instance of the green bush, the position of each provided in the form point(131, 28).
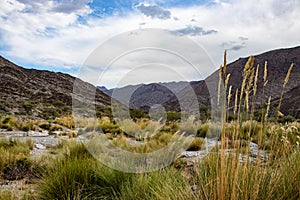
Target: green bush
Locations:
point(196, 145)
point(202, 130)
point(171, 127)
point(163, 184)
point(78, 176)
point(9, 123)
point(205, 114)
point(173, 116)
point(7, 119)
point(137, 114)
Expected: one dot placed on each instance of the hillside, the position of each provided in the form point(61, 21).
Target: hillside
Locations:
point(143, 96)
point(278, 64)
point(39, 93)
point(278, 61)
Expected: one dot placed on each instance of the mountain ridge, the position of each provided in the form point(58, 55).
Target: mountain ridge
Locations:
point(39, 93)
point(278, 63)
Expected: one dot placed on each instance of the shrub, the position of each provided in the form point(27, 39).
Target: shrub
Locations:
point(55, 127)
point(173, 116)
point(26, 126)
point(9, 123)
point(163, 184)
point(137, 114)
point(7, 195)
point(202, 130)
point(171, 127)
point(204, 113)
point(196, 145)
point(18, 169)
point(14, 157)
point(165, 138)
point(188, 126)
point(107, 126)
point(44, 125)
point(78, 176)
point(66, 121)
point(28, 106)
point(69, 179)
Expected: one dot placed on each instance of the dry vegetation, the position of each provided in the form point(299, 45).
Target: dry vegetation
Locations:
point(75, 174)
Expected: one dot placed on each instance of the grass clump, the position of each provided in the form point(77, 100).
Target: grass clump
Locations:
point(66, 121)
point(76, 175)
point(15, 162)
point(279, 180)
point(163, 184)
point(196, 145)
point(9, 123)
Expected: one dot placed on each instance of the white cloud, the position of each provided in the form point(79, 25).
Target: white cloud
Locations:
point(194, 31)
point(154, 11)
point(38, 32)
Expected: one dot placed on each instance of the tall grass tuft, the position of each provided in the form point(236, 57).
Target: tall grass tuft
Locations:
point(286, 80)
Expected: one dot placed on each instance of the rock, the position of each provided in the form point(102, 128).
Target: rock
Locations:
point(253, 147)
point(13, 133)
point(38, 134)
point(40, 146)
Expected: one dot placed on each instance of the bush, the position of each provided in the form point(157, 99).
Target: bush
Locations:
point(26, 126)
point(137, 114)
point(7, 195)
point(196, 145)
point(163, 184)
point(14, 157)
point(78, 176)
point(107, 126)
point(28, 106)
point(286, 119)
point(66, 121)
point(18, 169)
point(188, 126)
point(173, 116)
point(202, 130)
point(9, 123)
point(44, 125)
point(204, 113)
point(55, 127)
point(171, 127)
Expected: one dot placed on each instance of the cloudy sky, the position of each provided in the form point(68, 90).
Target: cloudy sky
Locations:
point(61, 35)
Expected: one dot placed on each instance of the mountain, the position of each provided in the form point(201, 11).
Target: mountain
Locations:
point(170, 94)
point(143, 96)
point(290, 102)
point(40, 93)
point(104, 90)
point(187, 95)
point(278, 64)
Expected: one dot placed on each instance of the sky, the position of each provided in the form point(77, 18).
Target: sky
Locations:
point(100, 41)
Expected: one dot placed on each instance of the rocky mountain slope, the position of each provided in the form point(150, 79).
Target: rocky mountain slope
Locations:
point(143, 96)
point(278, 62)
point(39, 93)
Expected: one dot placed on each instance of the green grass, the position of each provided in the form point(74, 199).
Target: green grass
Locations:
point(15, 162)
point(77, 175)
